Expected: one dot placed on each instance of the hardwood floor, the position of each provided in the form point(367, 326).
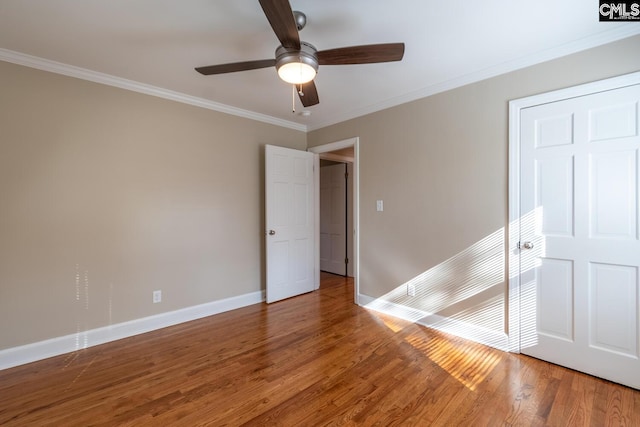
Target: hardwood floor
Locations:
point(317, 359)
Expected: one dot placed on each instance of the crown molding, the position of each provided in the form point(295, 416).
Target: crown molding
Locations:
point(109, 80)
point(592, 41)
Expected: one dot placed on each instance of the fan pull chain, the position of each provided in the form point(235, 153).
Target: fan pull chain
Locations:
point(293, 99)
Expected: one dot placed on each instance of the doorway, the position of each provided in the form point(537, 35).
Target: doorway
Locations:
point(336, 217)
point(345, 151)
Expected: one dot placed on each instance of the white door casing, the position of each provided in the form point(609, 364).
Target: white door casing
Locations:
point(333, 219)
point(350, 220)
point(576, 290)
point(289, 220)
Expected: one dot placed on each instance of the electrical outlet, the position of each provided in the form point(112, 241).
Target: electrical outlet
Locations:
point(411, 290)
point(157, 297)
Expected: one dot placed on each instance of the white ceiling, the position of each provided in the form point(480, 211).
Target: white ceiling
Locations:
point(159, 42)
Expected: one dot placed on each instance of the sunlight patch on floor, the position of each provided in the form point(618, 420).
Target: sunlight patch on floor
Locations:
point(395, 324)
point(470, 365)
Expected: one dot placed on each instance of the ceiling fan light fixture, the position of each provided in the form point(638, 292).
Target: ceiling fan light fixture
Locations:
point(296, 72)
point(297, 66)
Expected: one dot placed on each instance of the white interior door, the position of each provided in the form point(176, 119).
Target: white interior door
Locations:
point(579, 237)
point(289, 205)
point(333, 219)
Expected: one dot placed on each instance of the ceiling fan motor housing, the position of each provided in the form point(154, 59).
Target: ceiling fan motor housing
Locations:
point(306, 55)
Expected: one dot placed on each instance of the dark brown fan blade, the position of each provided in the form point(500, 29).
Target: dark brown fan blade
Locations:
point(281, 18)
point(365, 54)
point(236, 66)
point(309, 95)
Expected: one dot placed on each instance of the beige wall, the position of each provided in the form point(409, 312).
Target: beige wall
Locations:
point(441, 166)
point(107, 195)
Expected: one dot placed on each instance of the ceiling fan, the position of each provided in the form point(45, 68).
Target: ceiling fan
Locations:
point(297, 61)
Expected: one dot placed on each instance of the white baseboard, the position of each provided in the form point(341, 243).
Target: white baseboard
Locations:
point(455, 327)
point(56, 346)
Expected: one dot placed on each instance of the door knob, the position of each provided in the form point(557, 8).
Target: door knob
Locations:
point(527, 245)
point(272, 232)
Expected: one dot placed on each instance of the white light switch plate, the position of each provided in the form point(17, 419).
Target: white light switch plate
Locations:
point(379, 205)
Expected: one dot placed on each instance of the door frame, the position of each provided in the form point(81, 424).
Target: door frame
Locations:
point(513, 253)
point(355, 197)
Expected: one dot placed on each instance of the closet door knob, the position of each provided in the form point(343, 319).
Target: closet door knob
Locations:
point(527, 245)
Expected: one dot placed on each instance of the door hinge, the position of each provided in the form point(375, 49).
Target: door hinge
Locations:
point(346, 260)
point(518, 245)
point(346, 175)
